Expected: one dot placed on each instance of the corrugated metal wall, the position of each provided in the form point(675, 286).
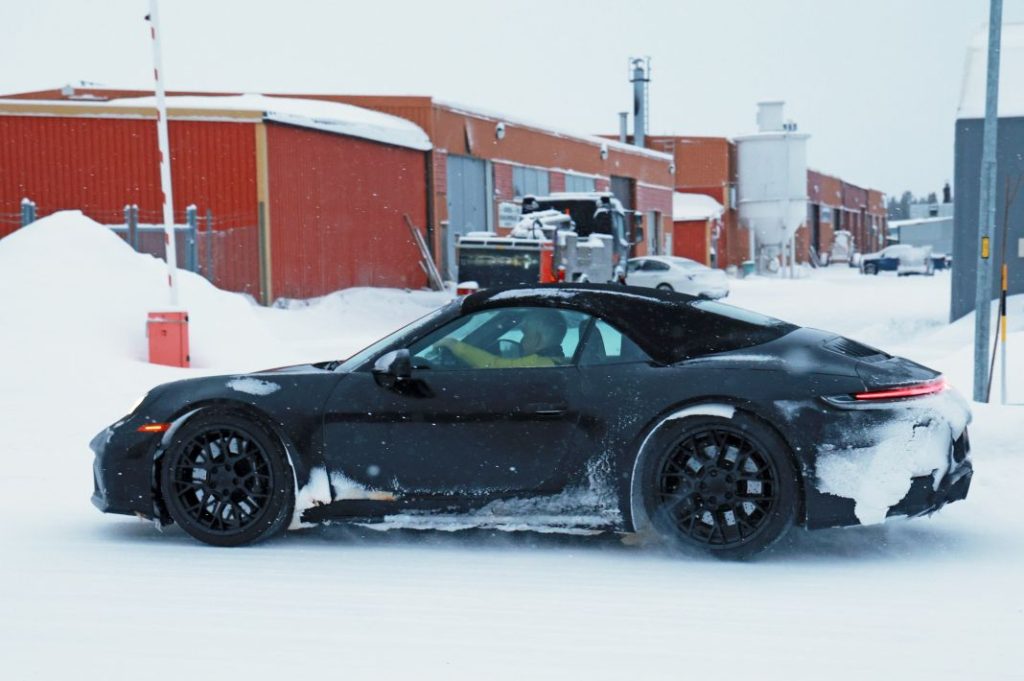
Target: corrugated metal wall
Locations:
point(336, 212)
point(98, 165)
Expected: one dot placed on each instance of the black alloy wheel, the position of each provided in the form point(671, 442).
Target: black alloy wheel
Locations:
point(226, 482)
point(870, 268)
point(723, 486)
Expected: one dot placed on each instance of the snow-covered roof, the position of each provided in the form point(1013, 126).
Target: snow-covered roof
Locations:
point(695, 207)
point(1011, 74)
point(480, 112)
point(332, 117)
point(895, 224)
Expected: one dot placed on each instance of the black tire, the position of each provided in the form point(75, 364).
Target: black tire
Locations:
point(665, 287)
point(870, 269)
point(226, 480)
point(726, 486)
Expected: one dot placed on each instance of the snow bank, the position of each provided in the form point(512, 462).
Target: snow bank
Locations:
point(79, 293)
point(76, 293)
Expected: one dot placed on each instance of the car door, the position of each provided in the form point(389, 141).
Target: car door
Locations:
point(622, 388)
point(635, 275)
point(459, 429)
point(889, 259)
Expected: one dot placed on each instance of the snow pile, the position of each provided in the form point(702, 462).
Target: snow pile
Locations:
point(79, 294)
point(695, 207)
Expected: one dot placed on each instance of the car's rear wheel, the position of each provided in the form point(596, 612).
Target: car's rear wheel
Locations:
point(723, 485)
point(226, 481)
point(665, 287)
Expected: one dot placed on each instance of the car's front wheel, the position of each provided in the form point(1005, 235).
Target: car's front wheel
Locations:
point(226, 480)
point(870, 268)
point(723, 485)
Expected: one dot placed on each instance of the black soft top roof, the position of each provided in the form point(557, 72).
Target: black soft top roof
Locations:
point(670, 327)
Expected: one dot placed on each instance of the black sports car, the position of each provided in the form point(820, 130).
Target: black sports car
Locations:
point(574, 408)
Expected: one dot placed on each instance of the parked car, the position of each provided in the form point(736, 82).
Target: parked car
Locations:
point(576, 408)
point(903, 259)
point(672, 273)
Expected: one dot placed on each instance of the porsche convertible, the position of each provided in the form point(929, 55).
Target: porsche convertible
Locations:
point(559, 408)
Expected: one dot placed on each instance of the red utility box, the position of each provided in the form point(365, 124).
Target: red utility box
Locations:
point(168, 338)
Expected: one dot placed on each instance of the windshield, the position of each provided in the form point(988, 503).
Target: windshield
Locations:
point(411, 329)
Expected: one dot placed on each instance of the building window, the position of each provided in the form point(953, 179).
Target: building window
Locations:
point(529, 182)
point(579, 183)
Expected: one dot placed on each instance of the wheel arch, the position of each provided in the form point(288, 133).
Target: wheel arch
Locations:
point(660, 427)
point(300, 466)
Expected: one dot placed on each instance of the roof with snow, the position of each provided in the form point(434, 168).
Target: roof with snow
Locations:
point(331, 117)
point(915, 222)
point(695, 207)
point(1011, 74)
point(480, 112)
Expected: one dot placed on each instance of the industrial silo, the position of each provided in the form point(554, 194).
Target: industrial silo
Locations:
point(772, 186)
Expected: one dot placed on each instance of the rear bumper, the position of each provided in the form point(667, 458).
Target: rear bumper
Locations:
point(925, 497)
point(866, 462)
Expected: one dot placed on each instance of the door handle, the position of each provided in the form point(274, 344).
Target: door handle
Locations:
point(547, 408)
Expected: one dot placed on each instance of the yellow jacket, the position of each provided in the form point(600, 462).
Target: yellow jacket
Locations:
point(481, 359)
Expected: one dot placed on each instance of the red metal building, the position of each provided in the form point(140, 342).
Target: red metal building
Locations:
point(306, 197)
point(483, 163)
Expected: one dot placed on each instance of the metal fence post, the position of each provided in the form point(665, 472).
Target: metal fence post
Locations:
point(133, 226)
point(209, 245)
point(191, 256)
point(28, 211)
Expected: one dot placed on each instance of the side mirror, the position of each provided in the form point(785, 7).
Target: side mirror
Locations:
point(393, 368)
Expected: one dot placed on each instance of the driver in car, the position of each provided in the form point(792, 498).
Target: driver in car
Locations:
point(543, 331)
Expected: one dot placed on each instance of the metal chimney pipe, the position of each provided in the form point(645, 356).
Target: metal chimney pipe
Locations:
point(624, 126)
point(640, 79)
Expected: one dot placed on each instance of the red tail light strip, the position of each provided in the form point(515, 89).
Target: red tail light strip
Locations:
point(916, 390)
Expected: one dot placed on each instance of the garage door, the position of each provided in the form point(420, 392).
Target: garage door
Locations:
point(467, 204)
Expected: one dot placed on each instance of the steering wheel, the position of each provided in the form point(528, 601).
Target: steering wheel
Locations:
point(441, 357)
point(449, 360)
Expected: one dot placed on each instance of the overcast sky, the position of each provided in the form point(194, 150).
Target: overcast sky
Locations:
point(875, 82)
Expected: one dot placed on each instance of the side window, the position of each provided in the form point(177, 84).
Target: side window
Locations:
point(607, 345)
point(533, 181)
point(506, 338)
point(634, 265)
point(655, 266)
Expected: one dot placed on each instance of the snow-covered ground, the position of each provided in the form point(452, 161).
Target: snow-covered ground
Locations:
point(83, 595)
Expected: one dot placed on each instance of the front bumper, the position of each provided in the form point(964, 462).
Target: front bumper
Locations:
point(122, 470)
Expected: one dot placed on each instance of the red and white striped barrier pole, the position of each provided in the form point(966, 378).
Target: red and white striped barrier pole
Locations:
point(170, 244)
point(167, 331)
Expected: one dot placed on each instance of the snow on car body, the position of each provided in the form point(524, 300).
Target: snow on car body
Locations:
point(715, 426)
point(903, 259)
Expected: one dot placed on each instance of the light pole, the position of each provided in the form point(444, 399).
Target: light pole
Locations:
point(987, 207)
